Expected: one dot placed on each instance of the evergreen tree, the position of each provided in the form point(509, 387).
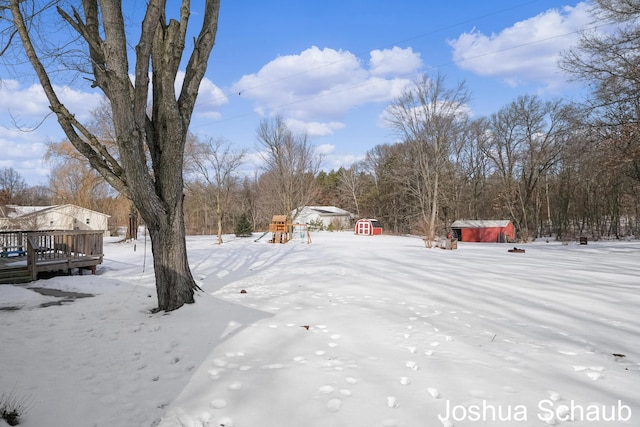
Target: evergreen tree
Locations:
point(243, 227)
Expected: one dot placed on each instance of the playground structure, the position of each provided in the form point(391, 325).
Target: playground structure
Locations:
point(282, 230)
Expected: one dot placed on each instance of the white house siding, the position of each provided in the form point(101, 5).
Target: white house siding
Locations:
point(60, 217)
point(326, 214)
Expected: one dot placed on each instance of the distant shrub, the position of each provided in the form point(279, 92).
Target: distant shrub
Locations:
point(316, 225)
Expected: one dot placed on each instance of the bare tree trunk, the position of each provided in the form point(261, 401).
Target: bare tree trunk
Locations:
point(434, 209)
point(151, 141)
point(219, 214)
point(170, 264)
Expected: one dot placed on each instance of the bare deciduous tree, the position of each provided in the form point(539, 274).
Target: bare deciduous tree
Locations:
point(528, 138)
point(11, 184)
point(427, 116)
point(290, 165)
point(150, 120)
point(216, 163)
point(351, 185)
point(610, 62)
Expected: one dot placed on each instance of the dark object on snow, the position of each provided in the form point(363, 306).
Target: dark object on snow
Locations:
point(243, 291)
point(618, 355)
point(516, 250)
point(583, 240)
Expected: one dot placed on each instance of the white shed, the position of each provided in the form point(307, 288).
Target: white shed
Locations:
point(57, 217)
point(328, 215)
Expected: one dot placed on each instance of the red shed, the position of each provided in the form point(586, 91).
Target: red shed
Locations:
point(490, 231)
point(368, 227)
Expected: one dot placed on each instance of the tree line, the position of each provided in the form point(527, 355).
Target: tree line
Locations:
point(552, 167)
point(542, 164)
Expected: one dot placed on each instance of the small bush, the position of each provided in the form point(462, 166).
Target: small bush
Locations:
point(316, 225)
point(12, 408)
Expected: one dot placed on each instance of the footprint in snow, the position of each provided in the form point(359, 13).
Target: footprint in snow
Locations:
point(412, 365)
point(594, 372)
point(334, 405)
point(434, 392)
point(325, 389)
point(555, 396)
point(218, 403)
point(392, 402)
point(234, 386)
point(220, 363)
point(273, 366)
point(446, 423)
point(595, 375)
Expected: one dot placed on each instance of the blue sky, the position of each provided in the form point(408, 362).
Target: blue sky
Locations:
point(332, 67)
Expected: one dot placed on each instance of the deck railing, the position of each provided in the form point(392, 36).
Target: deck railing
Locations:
point(54, 250)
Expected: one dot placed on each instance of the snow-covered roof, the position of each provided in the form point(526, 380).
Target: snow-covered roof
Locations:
point(322, 211)
point(480, 223)
point(15, 211)
point(328, 210)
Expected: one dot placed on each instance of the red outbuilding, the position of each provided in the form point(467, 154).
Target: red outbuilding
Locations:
point(489, 231)
point(368, 227)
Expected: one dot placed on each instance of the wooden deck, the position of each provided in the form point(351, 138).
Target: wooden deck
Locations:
point(24, 254)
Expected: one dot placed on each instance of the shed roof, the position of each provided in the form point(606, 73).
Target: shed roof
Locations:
point(480, 223)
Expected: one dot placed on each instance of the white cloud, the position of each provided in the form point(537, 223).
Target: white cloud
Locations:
point(333, 161)
point(23, 151)
point(30, 104)
point(319, 86)
point(314, 128)
point(325, 149)
point(394, 61)
point(526, 52)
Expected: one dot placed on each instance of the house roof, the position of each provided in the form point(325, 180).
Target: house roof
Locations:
point(326, 210)
point(15, 211)
point(329, 210)
point(480, 223)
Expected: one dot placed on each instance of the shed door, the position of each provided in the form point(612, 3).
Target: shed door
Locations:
point(362, 227)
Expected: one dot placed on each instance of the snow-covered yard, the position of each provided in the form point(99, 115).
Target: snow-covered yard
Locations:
point(353, 331)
